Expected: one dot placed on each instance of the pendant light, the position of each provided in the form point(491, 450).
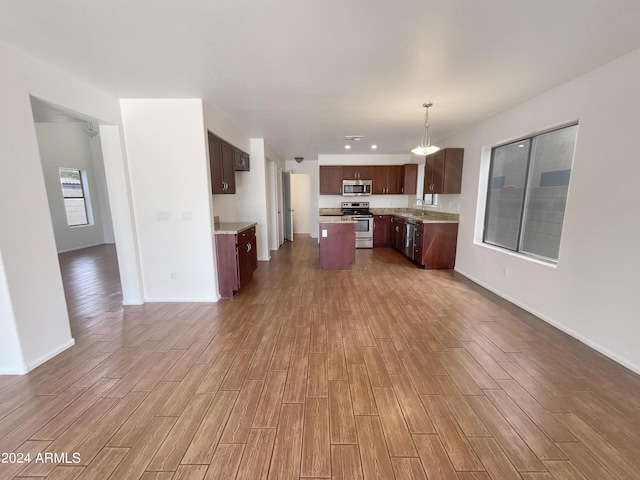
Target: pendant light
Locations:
point(425, 147)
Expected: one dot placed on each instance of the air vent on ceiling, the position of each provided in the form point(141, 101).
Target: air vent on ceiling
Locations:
point(354, 138)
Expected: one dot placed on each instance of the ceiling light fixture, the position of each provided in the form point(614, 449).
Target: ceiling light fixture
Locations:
point(373, 147)
point(298, 159)
point(425, 147)
point(347, 147)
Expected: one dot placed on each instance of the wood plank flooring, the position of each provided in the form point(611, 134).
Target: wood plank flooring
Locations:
point(385, 371)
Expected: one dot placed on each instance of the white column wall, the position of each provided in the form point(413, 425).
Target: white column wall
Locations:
point(168, 168)
point(592, 292)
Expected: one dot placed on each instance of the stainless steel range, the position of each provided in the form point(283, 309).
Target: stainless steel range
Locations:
point(359, 211)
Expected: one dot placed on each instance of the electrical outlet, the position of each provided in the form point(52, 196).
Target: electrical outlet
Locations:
point(324, 233)
point(172, 275)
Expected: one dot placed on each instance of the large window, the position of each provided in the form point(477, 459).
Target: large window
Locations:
point(528, 184)
point(73, 192)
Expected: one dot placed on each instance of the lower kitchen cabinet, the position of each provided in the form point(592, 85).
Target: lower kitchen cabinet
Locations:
point(435, 245)
point(397, 233)
point(237, 260)
point(381, 231)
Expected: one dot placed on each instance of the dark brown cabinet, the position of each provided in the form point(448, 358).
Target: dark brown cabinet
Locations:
point(382, 231)
point(223, 178)
point(356, 173)
point(387, 180)
point(397, 233)
point(443, 171)
point(435, 245)
point(240, 161)
point(224, 161)
point(237, 260)
point(330, 180)
point(409, 178)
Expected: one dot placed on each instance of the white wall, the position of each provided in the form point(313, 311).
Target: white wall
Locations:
point(101, 186)
point(375, 201)
point(301, 202)
point(30, 269)
point(168, 167)
point(66, 145)
point(309, 167)
point(592, 292)
point(11, 359)
point(274, 168)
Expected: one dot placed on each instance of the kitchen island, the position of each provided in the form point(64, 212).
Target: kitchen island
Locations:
point(337, 242)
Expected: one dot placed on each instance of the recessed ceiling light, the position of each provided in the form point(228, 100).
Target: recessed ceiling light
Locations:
point(347, 147)
point(521, 146)
point(373, 147)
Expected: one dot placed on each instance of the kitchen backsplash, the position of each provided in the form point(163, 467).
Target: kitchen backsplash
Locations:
point(391, 211)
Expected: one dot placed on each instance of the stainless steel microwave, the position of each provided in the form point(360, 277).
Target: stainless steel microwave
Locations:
point(356, 188)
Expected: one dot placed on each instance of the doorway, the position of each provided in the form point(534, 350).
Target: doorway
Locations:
point(287, 208)
point(76, 188)
point(301, 201)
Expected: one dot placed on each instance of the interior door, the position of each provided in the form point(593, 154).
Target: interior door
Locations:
point(287, 209)
point(280, 206)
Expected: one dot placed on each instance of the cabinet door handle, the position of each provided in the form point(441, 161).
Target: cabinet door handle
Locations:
point(248, 247)
point(402, 189)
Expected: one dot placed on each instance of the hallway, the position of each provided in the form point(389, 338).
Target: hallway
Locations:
point(385, 371)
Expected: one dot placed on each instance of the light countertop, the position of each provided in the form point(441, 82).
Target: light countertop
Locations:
point(232, 228)
point(414, 214)
point(335, 219)
point(426, 219)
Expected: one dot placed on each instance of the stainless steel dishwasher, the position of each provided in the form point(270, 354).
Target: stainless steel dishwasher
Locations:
point(409, 237)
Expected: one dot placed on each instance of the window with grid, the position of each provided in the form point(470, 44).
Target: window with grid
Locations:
point(73, 191)
point(528, 186)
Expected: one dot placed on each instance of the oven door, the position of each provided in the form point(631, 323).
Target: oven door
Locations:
point(364, 231)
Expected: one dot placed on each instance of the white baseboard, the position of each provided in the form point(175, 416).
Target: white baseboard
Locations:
point(133, 302)
point(20, 370)
point(182, 300)
point(587, 341)
point(48, 356)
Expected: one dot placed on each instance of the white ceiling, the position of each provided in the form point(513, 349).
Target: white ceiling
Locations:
point(304, 73)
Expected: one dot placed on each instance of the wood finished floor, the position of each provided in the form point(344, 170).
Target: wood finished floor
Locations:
point(385, 371)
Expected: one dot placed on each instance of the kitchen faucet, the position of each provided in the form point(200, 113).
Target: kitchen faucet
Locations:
point(417, 202)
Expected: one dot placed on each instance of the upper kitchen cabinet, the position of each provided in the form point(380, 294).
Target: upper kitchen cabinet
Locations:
point(223, 180)
point(356, 173)
point(443, 171)
point(395, 179)
point(386, 180)
point(409, 178)
point(330, 180)
point(240, 161)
